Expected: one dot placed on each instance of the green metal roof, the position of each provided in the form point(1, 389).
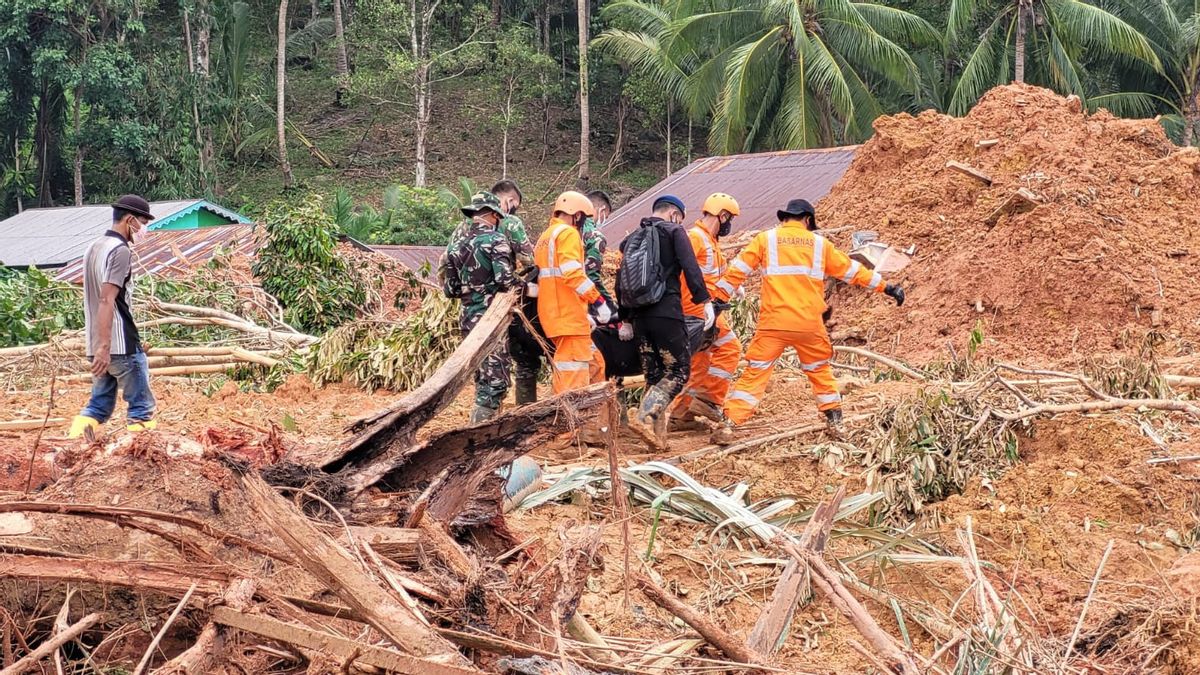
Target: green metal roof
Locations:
point(196, 205)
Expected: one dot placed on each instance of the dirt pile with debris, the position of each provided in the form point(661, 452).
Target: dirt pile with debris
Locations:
point(1108, 246)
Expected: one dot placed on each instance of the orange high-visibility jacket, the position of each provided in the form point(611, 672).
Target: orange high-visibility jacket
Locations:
point(795, 263)
point(564, 291)
point(712, 265)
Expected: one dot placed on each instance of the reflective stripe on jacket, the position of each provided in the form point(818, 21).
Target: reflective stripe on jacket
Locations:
point(795, 263)
point(564, 291)
point(712, 264)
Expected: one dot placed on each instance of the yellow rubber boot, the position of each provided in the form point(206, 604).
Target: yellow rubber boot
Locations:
point(81, 424)
point(143, 425)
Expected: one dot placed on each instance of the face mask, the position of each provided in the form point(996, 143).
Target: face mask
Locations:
point(512, 210)
point(725, 226)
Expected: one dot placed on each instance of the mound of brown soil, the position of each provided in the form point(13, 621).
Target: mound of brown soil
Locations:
point(1111, 245)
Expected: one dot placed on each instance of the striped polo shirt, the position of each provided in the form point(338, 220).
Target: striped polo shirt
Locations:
point(110, 261)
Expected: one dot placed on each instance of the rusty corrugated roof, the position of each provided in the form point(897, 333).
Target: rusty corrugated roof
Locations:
point(761, 182)
point(176, 252)
point(52, 237)
point(415, 258)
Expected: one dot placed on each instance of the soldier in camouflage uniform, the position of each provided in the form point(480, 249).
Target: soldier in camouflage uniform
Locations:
point(480, 266)
point(508, 195)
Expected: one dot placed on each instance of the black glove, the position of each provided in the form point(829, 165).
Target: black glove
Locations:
point(827, 315)
point(895, 292)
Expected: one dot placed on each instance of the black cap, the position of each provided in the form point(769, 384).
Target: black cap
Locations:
point(797, 207)
point(135, 205)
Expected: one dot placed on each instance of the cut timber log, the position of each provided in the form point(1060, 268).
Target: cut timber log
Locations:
point(392, 432)
point(1020, 200)
point(473, 454)
point(771, 628)
point(321, 557)
point(397, 543)
point(969, 171)
point(347, 651)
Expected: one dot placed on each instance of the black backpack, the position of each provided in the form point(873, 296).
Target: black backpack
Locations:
point(640, 280)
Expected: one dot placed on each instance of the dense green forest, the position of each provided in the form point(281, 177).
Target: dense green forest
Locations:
point(380, 106)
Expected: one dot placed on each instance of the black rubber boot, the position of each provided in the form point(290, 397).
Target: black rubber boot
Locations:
point(833, 421)
point(526, 390)
point(482, 413)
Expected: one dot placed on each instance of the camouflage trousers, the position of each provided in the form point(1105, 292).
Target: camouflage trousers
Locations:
point(492, 376)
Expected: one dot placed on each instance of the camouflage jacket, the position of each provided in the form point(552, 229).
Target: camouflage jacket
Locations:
point(513, 228)
point(594, 246)
point(477, 269)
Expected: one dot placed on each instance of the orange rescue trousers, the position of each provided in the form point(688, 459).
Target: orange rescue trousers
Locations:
point(577, 363)
point(713, 369)
point(815, 352)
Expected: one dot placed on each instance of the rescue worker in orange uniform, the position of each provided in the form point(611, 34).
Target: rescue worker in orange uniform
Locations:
point(795, 261)
point(712, 368)
point(566, 296)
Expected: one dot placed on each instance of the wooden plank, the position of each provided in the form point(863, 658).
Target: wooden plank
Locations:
point(392, 432)
point(1022, 199)
point(23, 425)
point(776, 617)
point(347, 651)
point(987, 143)
point(969, 171)
point(333, 566)
point(398, 543)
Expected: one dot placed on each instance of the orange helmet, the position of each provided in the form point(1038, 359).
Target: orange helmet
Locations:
point(718, 202)
point(572, 202)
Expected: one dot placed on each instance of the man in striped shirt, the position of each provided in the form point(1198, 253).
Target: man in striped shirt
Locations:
point(113, 344)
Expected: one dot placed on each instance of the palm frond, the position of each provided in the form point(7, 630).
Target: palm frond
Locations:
point(315, 33)
point(797, 125)
point(641, 16)
point(825, 77)
point(898, 25)
point(746, 75)
point(1087, 25)
point(644, 53)
point(870, 51)
point(1133, 104)
point(1063, 73)
point(866, 105)
point(960, 15)
point(981, 70)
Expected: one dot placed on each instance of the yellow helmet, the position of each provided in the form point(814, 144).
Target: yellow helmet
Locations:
point(718, 202)
point(572, 202)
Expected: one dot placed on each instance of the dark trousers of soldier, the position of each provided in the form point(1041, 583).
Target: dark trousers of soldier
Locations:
point(491, 379)
point(666, 356)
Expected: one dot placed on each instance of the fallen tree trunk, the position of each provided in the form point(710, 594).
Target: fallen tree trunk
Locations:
point(471, 455)
point(714, 634)
point(172, 579)
point(347, 651)
point(321, 557)
point(393, 431)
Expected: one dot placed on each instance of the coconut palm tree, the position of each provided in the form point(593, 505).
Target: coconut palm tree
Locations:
point(777, 73)
point(1046, 41)
point(1173, 29)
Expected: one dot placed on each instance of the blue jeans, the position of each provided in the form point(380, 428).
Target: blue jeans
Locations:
point(131, 372)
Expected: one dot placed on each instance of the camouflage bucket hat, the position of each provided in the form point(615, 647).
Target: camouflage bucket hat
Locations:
point(483, 201)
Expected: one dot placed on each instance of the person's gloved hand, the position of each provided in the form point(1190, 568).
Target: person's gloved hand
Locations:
point(895, 292)
point(591, 322)
point(710, 315)
point(603, 312)
point(625, 331)
point(531, 290)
